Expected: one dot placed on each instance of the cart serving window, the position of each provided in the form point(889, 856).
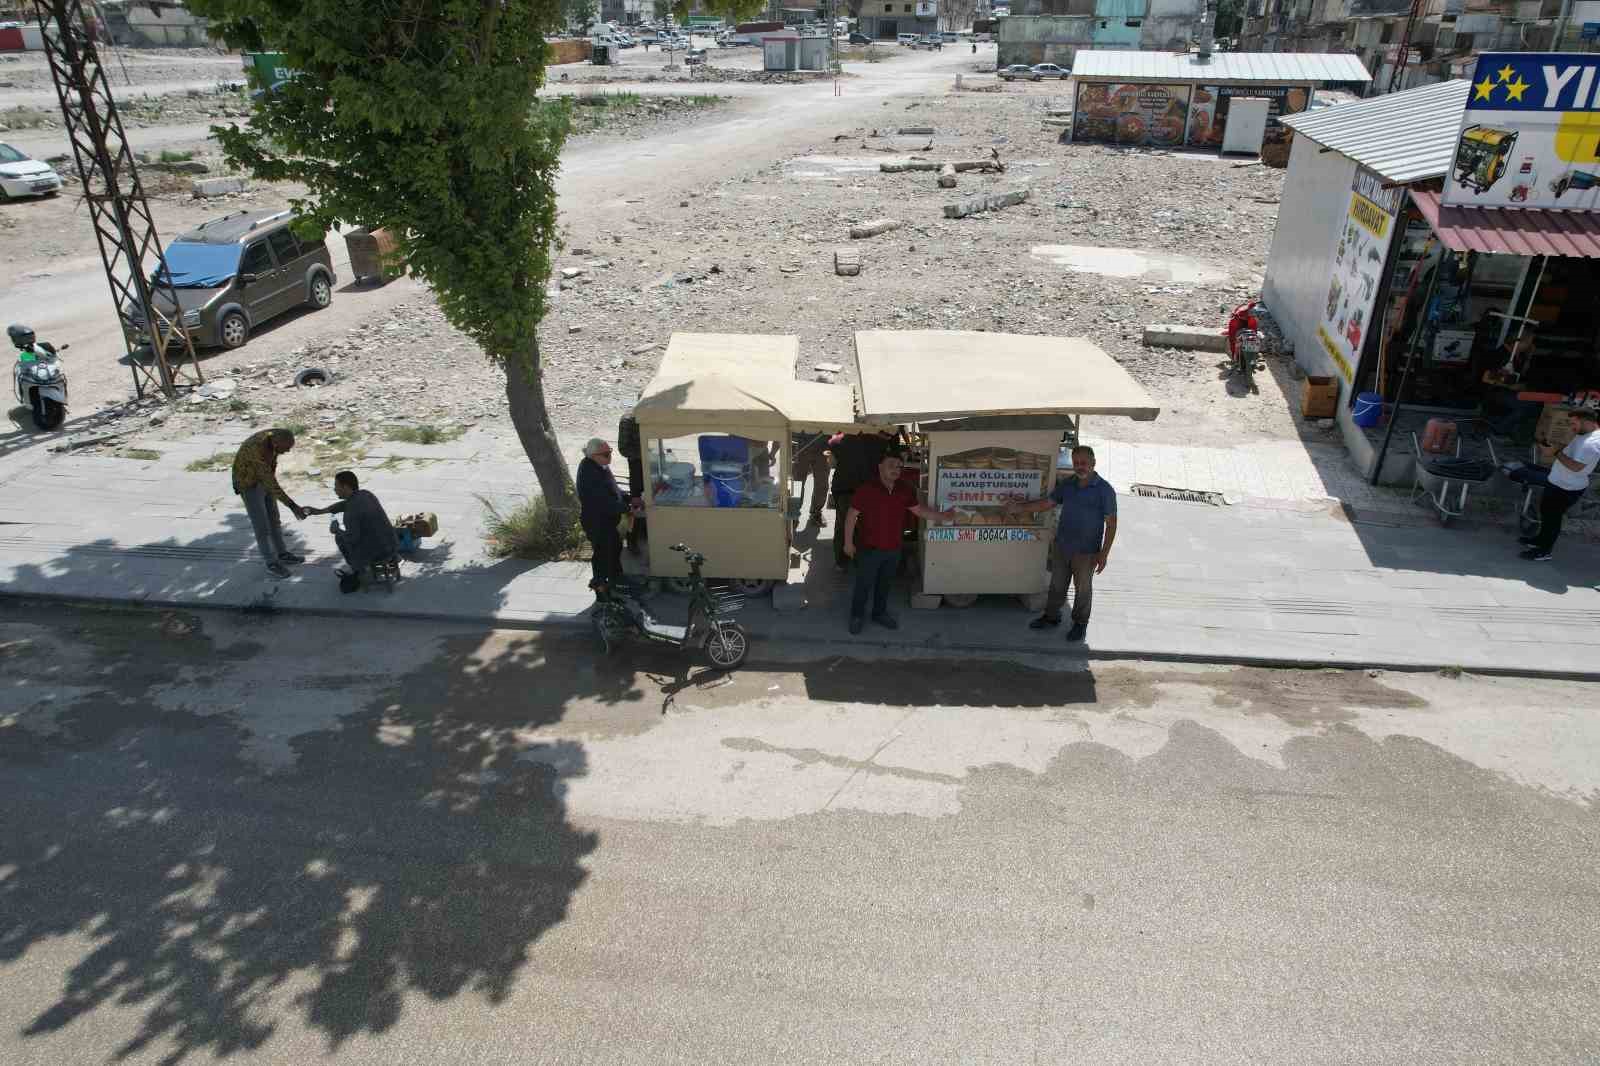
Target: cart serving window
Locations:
point(990, 411)
point(716, 423)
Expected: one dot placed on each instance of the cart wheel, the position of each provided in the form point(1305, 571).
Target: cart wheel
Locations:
point(1445, 517)
point(961, 599)
point(753, 586)
point(1528, 524)
point(727, 646)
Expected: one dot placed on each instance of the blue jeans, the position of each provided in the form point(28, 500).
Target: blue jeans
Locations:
point(1531, 475)
point(875, 569)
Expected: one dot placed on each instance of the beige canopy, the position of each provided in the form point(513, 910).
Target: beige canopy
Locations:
point(739, 383)
point(930, 375)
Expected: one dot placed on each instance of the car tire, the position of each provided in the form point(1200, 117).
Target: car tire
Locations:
point(233, 330)
point(4, 196)
point(321, 292)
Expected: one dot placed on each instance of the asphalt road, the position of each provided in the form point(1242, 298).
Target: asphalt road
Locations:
point(280, 839)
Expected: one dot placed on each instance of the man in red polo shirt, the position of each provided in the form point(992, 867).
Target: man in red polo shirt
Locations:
point(872, 530)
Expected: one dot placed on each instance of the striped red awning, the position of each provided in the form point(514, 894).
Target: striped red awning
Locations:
point(1512, 232)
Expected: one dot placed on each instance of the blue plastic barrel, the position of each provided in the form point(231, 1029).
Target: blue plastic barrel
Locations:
point(727, 483)
point(1368, 409)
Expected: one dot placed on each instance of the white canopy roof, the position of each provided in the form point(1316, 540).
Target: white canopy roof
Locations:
point(740, 383)
point(932, 375)
point(1402, 137)
point(1122, 64)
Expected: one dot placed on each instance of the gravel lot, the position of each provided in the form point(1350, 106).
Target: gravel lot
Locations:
point(752, 251)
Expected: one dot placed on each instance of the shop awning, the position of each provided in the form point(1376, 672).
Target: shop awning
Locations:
point(740, 383)
point(1493, 229)
point(935, 375)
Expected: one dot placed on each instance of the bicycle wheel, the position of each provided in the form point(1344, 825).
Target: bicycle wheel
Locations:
point(727, 646)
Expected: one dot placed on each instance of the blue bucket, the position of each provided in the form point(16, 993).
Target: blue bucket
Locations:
point(1368, 410)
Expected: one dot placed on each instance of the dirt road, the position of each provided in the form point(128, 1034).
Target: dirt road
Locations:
point(65, 298)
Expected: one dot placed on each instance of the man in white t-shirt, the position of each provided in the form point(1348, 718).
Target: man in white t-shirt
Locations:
point(1569, 479)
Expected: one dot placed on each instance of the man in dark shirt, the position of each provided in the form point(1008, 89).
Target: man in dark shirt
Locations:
point(872, 532)
point(602, 505)
point(1082, 544)
point(368, 536)
point(855, 463)
point(632, 449)
point(809, 459)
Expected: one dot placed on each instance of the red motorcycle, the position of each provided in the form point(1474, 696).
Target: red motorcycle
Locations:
point(1244, 341)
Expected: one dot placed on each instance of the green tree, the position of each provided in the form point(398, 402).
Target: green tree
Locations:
point(1230, 18)
point(422, 116)
point(580, 13)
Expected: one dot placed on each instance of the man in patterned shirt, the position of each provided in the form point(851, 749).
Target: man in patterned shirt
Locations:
point(255, 479)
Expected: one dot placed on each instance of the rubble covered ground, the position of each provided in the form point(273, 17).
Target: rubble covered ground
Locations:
point(754, 253)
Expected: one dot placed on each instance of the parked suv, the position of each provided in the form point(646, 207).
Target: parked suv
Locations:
point(236, 272)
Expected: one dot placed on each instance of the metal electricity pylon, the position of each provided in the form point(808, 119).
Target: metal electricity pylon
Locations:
point(129, 247)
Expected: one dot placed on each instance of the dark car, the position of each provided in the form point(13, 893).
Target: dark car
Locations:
point(234, 273)
point(860, 38)
point(1050, 70)
point(1018, 70)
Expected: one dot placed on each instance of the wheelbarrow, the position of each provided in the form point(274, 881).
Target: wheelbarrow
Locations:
point(1445, 479)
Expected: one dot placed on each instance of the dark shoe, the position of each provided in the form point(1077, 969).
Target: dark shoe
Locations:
point(856, 625)
point(887, 621)
point(1077, 632)
point(277, 570)
point(291, 558)
point(1044, 621)
point(1536, 555)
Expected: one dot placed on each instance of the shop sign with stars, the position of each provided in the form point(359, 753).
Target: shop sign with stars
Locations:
point(1530, 134)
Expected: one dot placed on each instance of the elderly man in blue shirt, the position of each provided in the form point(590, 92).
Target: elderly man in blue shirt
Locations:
point(1084, 533)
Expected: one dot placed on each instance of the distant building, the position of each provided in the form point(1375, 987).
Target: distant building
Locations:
point(884, 20)
point(1443, 41)
point(1052, 31)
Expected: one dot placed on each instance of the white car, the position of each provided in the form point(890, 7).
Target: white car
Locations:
point(21, 176)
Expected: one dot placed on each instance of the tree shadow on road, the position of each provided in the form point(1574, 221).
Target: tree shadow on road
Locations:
point(420, 846)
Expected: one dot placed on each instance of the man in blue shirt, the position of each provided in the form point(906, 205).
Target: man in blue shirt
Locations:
point(1082, 544)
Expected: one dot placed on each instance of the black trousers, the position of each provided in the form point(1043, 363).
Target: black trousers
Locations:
point(607, 543)
point(1553, 507)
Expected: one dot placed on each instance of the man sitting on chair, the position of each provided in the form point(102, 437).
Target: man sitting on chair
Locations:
point(368, 536)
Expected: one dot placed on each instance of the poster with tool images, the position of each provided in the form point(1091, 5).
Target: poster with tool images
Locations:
point(1530, 134)
point(1131, 114)
point(1208, 114)
point(978, 482)
point(1361, 248)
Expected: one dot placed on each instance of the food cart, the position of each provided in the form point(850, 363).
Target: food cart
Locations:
point(714, 429)
point(992, 411)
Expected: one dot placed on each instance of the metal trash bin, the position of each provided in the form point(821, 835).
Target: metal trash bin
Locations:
point(373, 255)
point(601, 56)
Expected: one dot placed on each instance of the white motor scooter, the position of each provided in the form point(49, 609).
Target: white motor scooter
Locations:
point(39, 380)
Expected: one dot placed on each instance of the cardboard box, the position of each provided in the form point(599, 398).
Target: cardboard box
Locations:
point(1319, 398)
point(1554, 425)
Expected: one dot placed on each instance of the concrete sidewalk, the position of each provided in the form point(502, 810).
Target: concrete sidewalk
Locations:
point(1273, 581)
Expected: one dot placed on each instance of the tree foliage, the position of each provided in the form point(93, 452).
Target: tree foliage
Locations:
point(421, 116)
point(1230, 18)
